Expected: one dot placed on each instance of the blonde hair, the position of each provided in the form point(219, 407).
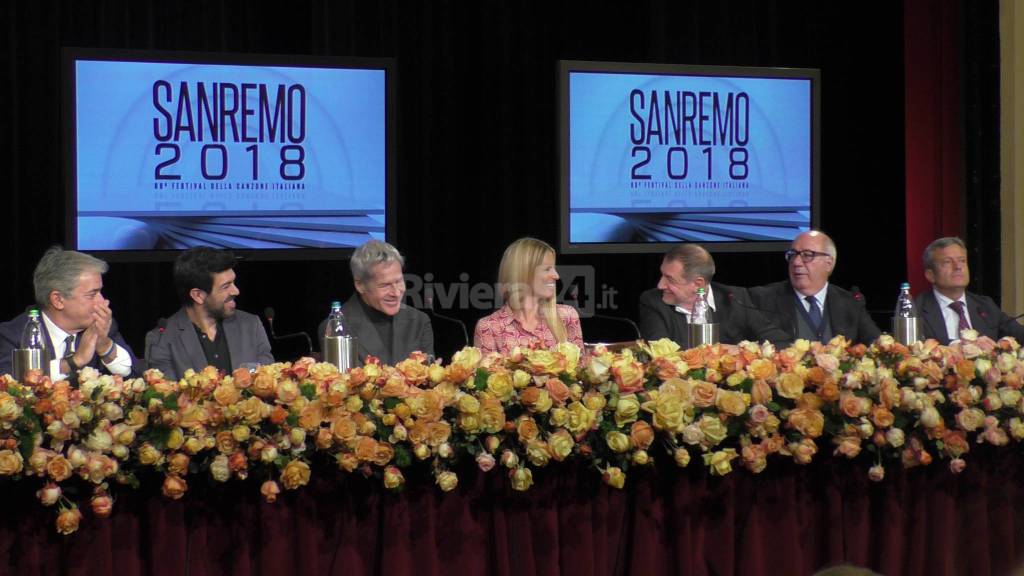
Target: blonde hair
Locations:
point(515, 277)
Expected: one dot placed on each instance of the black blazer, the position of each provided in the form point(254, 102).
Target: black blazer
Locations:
point(410, 332)
point(737, 319)
point(846, 315)
point(986, 318)
point(10, 339)
point(177, 349)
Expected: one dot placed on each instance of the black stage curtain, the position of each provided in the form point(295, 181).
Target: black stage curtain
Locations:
point(477, 153)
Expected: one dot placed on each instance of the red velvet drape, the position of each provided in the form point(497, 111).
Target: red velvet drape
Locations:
point(934, 133)
point(789, 520)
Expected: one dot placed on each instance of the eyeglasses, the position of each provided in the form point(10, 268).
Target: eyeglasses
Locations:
point(805, 255)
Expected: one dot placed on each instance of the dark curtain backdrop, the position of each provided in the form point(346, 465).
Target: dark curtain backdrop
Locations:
point(477, 154)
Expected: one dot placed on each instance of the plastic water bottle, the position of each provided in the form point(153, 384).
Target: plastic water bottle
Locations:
point(32, 335)
point(904, 303)
point(699, 315)
point(335, 327)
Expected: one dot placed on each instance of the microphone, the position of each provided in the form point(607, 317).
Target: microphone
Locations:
point(574, 295)
point(268, 314)
point(153, 335)
point(858, 295)
point(429, 301)
point(734, 300)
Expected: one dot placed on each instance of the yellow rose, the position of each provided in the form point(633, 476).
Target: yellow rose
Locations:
point(393, 478)
point(219, 469)
point(521, 379)
point(492, 415)
point(467, 404)
point(790, 385)
point(226, 394)
point(669, 413)
point(349, 462)
point(537, 452)
point(561, 445)
point(545, 362)
point(295, 474)
point(661, 348)
point(598, 369)
point(732, 403)
point(681, 456)
point(149, 455)
point(594, 400)
point(436, 373)
point(614, 477)
point(571, 353)
point(641, 458)
point(713, 429)
point(522, 479)
point(617, 441)
point(627, 409)
point(448, 480)
point(808, 422)
point(500, 385)
point(581, 419)
point(720, 462)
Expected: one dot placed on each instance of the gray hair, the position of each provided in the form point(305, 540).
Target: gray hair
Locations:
point(695, 259)
point(937, 245)
point(59, 270)
point(369, 255)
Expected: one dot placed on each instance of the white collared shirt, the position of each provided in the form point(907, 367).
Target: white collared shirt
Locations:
point(120, 365)
point(819, 297)
point(949, 316)
point(709, 297)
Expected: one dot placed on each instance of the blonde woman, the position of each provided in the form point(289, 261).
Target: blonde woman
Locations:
point(530, 317)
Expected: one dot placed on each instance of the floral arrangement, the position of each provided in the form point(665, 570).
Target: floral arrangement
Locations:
point(725, 405)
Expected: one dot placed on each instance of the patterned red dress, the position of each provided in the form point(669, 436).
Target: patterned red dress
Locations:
point(501, 332)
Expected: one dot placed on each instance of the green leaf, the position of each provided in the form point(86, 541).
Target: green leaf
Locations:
point(171, 402)
point(480, 382)
point(391, 403)
point(403, 458)
point(697, 373)
point(308, 391)
point(293, 419)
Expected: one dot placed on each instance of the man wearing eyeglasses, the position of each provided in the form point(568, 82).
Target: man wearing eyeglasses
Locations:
point(665, 311)
point(948, 308)
point(807, 306)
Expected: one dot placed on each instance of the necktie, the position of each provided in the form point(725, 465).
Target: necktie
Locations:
point(814, 313)
point(958, 307)
point(69, 345)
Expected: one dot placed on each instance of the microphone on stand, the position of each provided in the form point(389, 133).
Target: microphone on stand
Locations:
point(268, 314)
point(429, 301)
point(573, 296)
point(153, 335)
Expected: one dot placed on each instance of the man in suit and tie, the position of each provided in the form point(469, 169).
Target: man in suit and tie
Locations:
point(665, 311)
point(208, 329)
point(384, 327)
point(948, 308)
point(808, 306)
point(78, 325)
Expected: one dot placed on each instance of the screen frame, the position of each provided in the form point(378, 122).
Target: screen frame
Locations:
point(71, 55)
point(566, 67)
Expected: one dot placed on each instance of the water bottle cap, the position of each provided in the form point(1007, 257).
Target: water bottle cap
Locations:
point(335, 304)
point(700, 291)
point(33, 313)
point(905, 286)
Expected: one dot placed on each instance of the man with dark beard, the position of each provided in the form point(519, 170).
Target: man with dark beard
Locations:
point(208, 330)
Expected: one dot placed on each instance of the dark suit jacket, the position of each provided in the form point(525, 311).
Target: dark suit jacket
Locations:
point(846, 315)
point(986, 318)
point(410, 332)
point(10, 338)
point(178, 348)
point(737, 320)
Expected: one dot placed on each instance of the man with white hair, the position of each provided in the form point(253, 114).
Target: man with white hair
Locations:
point(807, 305)
point(78, 326)
point(385, 327)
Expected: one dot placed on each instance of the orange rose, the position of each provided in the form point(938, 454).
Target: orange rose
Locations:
point(693, 358)
point(664, 368)
point(177, 463)
point(270, 490)
point(761, 369)
point(438, 433)
point(226, 394)
point(414, 372)
point(810, 423)
point(955, 443)
point(829, 391)
point(703, 394)
point(629, 375)
point(851, 406)
point(226, 443)
point(174, 486)
point(101, 504)
point(557, 390)
point(68, 520)
point(311, 415)
point(11, 462)
point(527, 430)
point(641, 434)
point(295, 474)
point(761, 392)
point(264, 385)
point(59, 468)
point(882, 417)
point(731, 403)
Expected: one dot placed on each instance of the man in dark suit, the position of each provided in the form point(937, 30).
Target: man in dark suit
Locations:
point(807, 305)
point(385, 327)
point(665, 310)
point(208, 329)
point(948, 308)
point(78, 326)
